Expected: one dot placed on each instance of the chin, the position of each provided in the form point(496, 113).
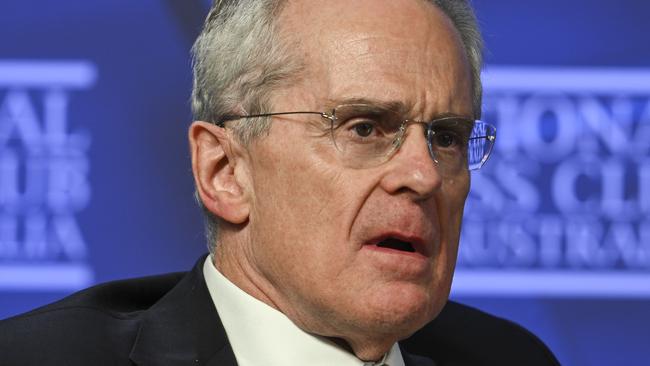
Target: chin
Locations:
point(403, 309)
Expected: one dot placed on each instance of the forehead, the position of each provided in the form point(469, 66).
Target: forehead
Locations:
point(392, 50)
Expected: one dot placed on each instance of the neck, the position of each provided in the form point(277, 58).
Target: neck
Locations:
point(231, 261)
point(232, 264)
point(366, 351)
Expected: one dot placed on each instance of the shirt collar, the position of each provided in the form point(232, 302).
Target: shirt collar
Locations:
point(261, 335)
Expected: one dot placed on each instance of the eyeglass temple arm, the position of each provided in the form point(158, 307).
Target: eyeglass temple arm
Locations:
point(489, 137)
point(234, 117)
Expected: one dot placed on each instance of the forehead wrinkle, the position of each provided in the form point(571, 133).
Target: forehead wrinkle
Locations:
point(443, 90)
point(387, 61)
point(377, 51)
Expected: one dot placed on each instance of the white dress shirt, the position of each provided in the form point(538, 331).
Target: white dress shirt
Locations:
point(261, 335)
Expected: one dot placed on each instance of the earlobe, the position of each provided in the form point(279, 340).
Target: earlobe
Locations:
point(213, 166)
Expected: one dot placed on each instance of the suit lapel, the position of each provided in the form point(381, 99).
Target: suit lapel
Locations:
point(411, 359)
point(183, 328)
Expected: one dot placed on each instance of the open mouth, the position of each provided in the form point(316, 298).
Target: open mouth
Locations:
point(396, 244)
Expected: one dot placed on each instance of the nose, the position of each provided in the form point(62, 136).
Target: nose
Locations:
point(412, 169)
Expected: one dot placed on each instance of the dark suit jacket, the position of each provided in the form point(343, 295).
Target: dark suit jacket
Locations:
point(171, 320)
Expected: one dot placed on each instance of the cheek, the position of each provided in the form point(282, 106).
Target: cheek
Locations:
point(298, 183)
point(454, 194)
point(297, 205)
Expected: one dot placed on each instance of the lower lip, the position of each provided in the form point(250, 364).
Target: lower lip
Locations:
point(393, 259)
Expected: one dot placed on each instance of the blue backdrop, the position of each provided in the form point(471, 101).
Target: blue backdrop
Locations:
point(95, 183)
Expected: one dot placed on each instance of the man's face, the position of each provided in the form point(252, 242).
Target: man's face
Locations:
point(315, 223)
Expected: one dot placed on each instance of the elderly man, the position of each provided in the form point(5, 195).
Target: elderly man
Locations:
point(331, 156)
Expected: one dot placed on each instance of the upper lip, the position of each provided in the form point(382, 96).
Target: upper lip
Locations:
point(419, 244)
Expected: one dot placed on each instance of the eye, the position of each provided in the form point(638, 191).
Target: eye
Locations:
point(450, 134)
point(363, 129)
point(445, 139)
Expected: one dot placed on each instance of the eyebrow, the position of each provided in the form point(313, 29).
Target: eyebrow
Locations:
point(394, 105)
point(397, 106)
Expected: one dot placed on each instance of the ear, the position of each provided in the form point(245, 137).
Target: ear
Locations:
point(213, 166)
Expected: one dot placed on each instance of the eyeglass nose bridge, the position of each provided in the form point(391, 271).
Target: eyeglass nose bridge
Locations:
point(428, 137)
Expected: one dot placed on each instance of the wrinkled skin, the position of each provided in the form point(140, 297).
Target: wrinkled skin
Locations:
point(299, 237)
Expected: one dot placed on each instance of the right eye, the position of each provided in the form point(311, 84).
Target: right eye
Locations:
point(363, 129)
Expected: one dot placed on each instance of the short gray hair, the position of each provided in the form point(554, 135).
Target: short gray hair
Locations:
point(240, 58)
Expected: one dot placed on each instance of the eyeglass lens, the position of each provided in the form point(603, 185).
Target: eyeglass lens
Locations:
point(368, 135)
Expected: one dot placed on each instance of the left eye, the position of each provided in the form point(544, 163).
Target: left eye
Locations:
point(445, 139)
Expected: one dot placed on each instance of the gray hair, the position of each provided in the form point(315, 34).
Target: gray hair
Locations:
point(239, 59)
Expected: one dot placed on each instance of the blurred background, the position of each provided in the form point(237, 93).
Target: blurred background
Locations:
point(95, 183)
